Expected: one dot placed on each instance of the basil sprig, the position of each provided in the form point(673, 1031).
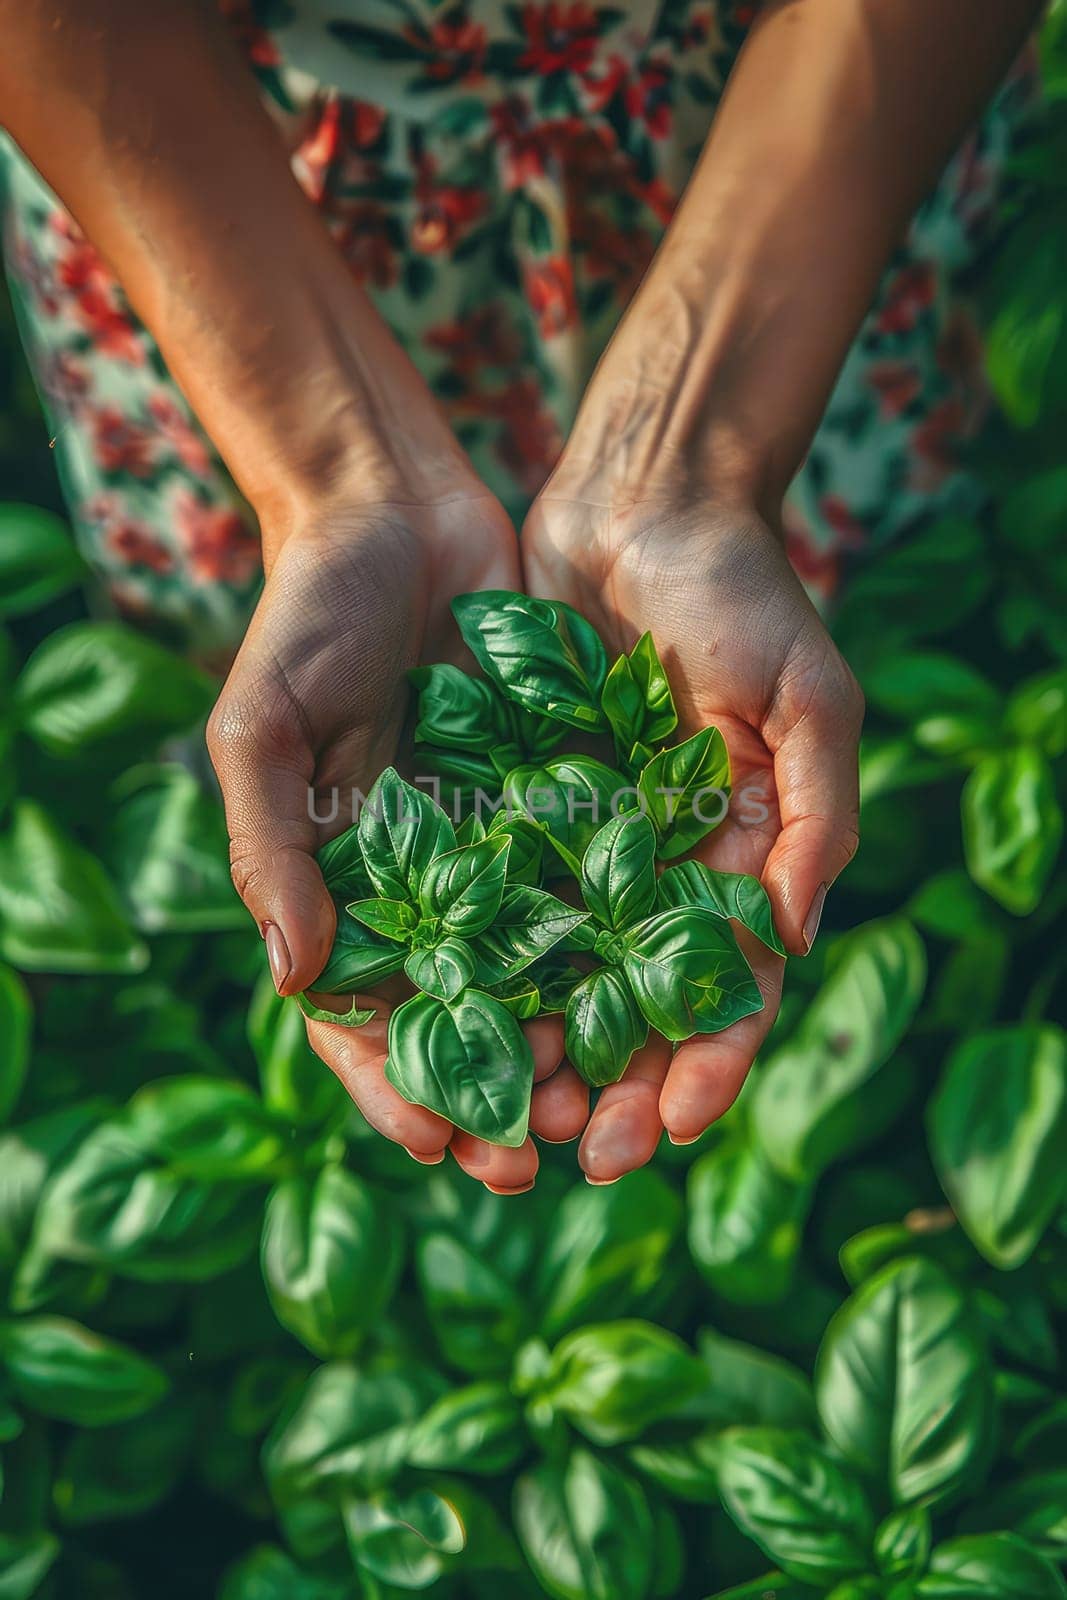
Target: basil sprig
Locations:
point(461, 907)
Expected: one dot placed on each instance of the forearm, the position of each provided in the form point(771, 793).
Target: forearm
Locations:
point(148, 125)
point(835, 123)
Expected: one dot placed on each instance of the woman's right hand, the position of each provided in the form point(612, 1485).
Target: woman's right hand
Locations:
point(314, 702)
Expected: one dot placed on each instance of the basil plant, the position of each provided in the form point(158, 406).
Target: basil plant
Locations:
point(461, 906)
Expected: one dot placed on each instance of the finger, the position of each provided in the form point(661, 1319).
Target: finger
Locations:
point(544, 1035)
point(357, 1056)
point(559, 1109)
point(265, 768)
point(816, 774)
point(624, 1129)
point(503, 1171)
point(707, 1072)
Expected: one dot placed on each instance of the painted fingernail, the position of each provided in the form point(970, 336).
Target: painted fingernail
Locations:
point(426, 1161)
point(523, 1188)
point(281, 962)
point(601, 1183)
point(811, 921)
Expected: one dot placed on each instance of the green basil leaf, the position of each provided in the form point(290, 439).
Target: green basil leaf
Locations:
point(127, 1468)
point(903, 1385)
point(804, 1511)
point(998, 1130)
point(608, 1251)
point(586, 1529)
point(458, 712)
point(359, 958)
point(685, 791)
point(464, 887)
point(16, 1024)
point(38, 559)
point(443, 971)
point(392, 919)
point(63, 1371)
point(471, 830)
point(25, 1561)
point(619, 871)
point(208, 1127)
point(400, 832)
point(331, 1254)
point(555, 979)
point(752, 1387)
point(467, 1061)
point(902, 1542)
point(401, 1539)
point(570, 796)
point(1037, 712)
point(541, 653)
point(341, 864)
point(528, 924)
point(1034, 1506)
point(603, 1026)
point(637, 701)
point(989, 1566)
point(354, 1017)
point(348, 1428)
point(59, 911)
point(93, 683)
point(119, 1204)
point(745, 1223)
point(476, 1311)
point(459, 780)
point(615, 1379)
point(688, 974)
point(724, 894)
point(908, 682)
point(167, 850)
point(1012, 826)
point(527, 847)
point(770, 1586)
point(520, 995)
point(812, 1099)
point(477, 1428)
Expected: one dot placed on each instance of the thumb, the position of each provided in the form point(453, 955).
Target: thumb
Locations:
point(816, 775)
point(265, 769)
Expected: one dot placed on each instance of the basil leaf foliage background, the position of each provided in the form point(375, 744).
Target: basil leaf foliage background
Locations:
point(250, 1351)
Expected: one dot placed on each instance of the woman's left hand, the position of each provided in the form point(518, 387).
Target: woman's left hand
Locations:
point(746, 652)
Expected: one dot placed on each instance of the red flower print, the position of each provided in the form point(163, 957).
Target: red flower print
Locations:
point(600, 92)
point(179, 433)
point(365, 243)
point(484, 338)
point(549, 285)
point(648, 98)
point(109, 326)
point(455, 49)
point(935, 442)
point(120, 445)
point(559, 38)
point(818, 570)
point(896, 383)
point(317, 154)
point(527, 146)
point(660, 200)
point(444, 212)
point(219, 545)
point(137, 547)
point(529, 442)
point(907, 296)
point(64, 379)
point(256, 42)
point(619, 254)
point(837, 514)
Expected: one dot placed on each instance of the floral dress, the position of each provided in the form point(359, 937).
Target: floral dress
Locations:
point(498, 176)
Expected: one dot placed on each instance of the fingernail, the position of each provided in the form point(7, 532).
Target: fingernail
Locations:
point(811, 921)
point(523, 1188)
point(426, 1161)
point(281, 962)
point(691, 1140)
point(601, 1183)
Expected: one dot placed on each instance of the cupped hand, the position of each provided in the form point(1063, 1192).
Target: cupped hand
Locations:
point(313, 707)
point(745, 651)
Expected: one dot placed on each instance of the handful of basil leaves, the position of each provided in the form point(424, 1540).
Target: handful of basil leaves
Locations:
point(462, 907)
